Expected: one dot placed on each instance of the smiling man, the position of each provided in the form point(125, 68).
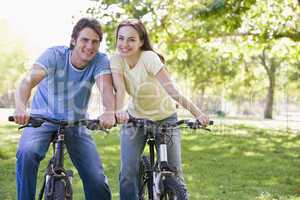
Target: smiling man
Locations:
point(64, 77)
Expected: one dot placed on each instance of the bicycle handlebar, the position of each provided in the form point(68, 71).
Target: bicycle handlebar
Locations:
point(140, 122)
point(11, 119)
point(92, 124)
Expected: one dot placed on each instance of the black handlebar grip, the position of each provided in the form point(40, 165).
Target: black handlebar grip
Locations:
point(211, 122)
point(11, 118)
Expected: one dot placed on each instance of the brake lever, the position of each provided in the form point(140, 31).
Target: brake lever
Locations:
point(104, 130)
point(24, 126)
point(32, 123)
point(197, 125)
point(96, 127)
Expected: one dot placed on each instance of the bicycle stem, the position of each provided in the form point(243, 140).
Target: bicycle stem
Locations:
point(59, 163)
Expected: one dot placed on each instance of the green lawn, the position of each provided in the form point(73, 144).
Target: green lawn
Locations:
point(230, 163)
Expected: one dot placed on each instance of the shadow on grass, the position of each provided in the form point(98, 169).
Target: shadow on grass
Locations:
point(239, 162)
point(229, 163)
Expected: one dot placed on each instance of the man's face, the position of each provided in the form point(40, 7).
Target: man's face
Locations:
point(85, 47)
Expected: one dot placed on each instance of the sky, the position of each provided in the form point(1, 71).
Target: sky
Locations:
point(42, 23)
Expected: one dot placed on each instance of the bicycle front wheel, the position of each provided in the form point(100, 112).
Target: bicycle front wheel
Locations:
point(146, 179)
point(58, 192)
point(173, 189)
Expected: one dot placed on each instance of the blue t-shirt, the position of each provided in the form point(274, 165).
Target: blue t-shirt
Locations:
point(64, 93)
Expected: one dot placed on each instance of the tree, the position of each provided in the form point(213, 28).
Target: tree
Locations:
point(12, 63)
point(218, 44)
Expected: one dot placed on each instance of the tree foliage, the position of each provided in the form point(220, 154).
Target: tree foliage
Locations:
point(248, 48)
point(13, 58)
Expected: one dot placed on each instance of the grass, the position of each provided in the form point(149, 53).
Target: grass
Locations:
point(230, 163)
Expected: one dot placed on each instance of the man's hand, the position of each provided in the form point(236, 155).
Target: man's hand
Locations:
point(122, 117)
point(107, 120)
point(21, 116)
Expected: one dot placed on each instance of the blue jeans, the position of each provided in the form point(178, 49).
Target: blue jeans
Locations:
point(132, 147)
point(33, 146)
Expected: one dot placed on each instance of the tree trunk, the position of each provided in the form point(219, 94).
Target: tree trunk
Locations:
point(271, 71)
point(268, 114)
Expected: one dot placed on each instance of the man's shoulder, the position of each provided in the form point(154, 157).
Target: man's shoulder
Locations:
point(58, 51)
point(100, 57)
point(61, 49)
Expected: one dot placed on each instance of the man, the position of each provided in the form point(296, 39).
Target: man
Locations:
point(64, 77)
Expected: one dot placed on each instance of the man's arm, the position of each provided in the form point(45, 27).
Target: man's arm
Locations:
point(23, 92)
point(105, 86)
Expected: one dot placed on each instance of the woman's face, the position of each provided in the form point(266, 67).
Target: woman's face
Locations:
point(128, 41)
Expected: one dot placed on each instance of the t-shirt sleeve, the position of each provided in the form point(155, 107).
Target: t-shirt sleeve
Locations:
point(116, 64)
point(152, 62)
point(47, 60)
point(102, 67)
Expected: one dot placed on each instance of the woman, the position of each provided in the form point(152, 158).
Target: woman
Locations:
point(139, 70)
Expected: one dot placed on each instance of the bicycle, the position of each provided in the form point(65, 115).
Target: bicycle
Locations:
point(57, 182)
point(158, 179)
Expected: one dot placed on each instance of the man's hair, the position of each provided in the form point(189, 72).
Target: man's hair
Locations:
point(84, 23)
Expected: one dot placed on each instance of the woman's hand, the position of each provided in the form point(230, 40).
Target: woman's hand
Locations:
point(203, 119)
point(107, 120)
point(122, 117)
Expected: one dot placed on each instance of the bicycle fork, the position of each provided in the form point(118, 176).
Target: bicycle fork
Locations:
point(162, 166)
point(55, 170)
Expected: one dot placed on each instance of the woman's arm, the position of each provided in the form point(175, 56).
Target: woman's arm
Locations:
point(164, 79)
point(119, 86)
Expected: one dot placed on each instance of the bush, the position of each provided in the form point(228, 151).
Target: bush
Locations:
point(220, 113)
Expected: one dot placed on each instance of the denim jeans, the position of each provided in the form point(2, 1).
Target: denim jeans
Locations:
point(33, 146)
point(132, 146)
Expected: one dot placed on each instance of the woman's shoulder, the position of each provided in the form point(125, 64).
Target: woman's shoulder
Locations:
point(152, 58)
point(116, 61)
point(149, 54)
point(116, 56)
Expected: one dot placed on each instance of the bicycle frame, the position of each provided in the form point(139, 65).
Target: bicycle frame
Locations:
point(56, 164)
point(59, 149)
point(159, 164)
point(57, 180)
point(159, 177)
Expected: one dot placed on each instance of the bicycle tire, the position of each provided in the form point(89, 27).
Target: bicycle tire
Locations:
point(59, 192)
point(145, 179)
point(173, 189)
